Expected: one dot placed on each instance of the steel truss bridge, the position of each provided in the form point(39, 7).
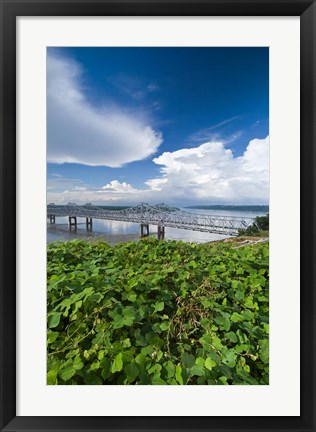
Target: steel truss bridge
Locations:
point(145, 215)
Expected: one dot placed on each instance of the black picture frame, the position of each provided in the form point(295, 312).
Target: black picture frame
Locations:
point(10, 9)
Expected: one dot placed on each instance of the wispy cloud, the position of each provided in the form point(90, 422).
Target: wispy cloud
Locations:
point(208, 134)
point(79, 132)
point(136, 88)
point(60, 184)
point(152, 87)
point(232, 137)
point(157, 105)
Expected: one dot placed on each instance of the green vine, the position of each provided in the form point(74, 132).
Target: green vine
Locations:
point(157, 312)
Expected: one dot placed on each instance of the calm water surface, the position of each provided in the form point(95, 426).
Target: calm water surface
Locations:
point(118, 232)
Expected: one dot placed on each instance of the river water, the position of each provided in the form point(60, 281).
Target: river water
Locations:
point(118, 232)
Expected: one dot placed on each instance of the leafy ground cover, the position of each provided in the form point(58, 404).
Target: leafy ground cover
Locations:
point(157, 312)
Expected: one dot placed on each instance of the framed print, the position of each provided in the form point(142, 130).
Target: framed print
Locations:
point(192, 126)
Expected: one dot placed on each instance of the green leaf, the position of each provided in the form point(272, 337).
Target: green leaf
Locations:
point(224, 370)
point(52, 336)
point(126, 343)
point(179, 374)
point(159, 307)
point(120, 321)
point(223, 322)
point(200, 361)
point(67, 373)
point(197, 370)
point(117, 364)
point(241, 348)
point(91, 378)
point(52, 377)
point(156, 368)
point(206, 341)
point(147, 350)
point(264, 350)
point(164, 326)
point(159, 355)
point(170, 369)
point(216, 343)
point(77, 364)
point(247, 315)
point(236, 317)
point(95, 366)
point(188, 360)
point(54, 319)
point(232, 336)
point(157, 380)
point(249, 302)
point(222, 380)
point(131, 371)
point(171, 381)
point(105, 364)
point(239, 295)
point(230, 359)
point(100, 354)
point(241, 336)
point(209, 363)
point(141, 359)
point(214, 356)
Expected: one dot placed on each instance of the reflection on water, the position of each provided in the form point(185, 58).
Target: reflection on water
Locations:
point(117, 232)
point(111, 231)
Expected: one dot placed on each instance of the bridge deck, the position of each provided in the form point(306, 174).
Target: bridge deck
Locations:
point(160, 215)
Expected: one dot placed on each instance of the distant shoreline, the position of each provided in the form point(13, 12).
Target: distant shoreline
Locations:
point(263, 208)
point(252, 208)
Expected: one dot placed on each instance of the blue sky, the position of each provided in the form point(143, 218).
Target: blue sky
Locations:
point(176, 125)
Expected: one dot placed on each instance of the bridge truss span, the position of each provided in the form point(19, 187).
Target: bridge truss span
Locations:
point(160, 215)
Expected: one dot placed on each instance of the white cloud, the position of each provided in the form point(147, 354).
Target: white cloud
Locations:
point(116, 187)
point(210, 173)
point(78, 132)
point(64, 190)
point(207, 174)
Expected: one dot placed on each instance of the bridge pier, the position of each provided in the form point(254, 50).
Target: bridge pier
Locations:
point(52, 219)
point(72, 222)
point(161, 232)
point(89, 223)
point(143, 230)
